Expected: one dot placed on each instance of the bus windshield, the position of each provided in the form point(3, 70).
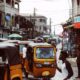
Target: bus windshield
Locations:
point(45, 53)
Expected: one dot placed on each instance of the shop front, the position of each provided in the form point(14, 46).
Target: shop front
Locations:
point(76, 22)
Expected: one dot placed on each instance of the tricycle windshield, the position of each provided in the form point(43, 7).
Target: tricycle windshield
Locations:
point(45, 53)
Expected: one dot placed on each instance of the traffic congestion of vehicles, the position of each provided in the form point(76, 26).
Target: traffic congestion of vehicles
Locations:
point(40, 61)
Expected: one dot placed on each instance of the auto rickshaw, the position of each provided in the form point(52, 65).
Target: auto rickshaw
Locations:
point(41, 60)
point(10, 63)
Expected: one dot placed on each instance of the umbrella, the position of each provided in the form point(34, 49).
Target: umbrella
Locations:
point(15, 36)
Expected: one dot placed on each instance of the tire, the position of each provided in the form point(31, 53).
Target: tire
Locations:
point(26, 74)
point(46, 78)
point(16, 78)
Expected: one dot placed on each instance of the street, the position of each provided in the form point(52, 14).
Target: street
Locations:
point(39, 38)
point(58, 75)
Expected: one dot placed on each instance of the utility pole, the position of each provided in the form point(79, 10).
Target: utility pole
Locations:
point(34, 14)
point(50, 26)
point(31, 32)
point(54, 30)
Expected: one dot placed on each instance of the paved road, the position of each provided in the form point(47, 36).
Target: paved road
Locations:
point(59, 76)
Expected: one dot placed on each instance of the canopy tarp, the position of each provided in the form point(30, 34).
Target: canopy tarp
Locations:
point(15, 36)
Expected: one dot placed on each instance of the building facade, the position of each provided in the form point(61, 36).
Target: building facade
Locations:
point(9, 9)
point(75, 7)
point(40, 23)
point(76, 13)
point(72, 27)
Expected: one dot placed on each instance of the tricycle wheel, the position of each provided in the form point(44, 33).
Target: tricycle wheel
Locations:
point(16, 78)
point(46, 78)
point(26, 74)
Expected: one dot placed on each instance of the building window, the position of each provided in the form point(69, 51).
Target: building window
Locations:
point(8, 1)
point(42, 20)
point(33, 21)
point(12, 3)
point(78, 2)
point(16, 5)
point(16, 19)
point(45, 29)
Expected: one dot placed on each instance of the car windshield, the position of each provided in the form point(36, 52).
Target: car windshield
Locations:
point(45, 53)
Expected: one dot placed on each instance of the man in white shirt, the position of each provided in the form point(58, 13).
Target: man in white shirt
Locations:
point(25, 51)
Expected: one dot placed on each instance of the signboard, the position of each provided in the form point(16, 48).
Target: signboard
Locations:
point(76, 19)
point(76, 23)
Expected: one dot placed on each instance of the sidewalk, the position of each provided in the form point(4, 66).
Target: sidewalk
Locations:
point(74, 66)
point(72, 61)
point(58, 75)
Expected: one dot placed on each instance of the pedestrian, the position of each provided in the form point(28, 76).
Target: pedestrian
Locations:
point(53, 44)
point(30, 58)
point(24, 50)
point(78, 60)
point(67, 71)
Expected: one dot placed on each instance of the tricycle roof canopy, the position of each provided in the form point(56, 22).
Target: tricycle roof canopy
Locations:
point(11, 53)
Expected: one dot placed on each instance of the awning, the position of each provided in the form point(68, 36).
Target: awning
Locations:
point(76, 25)
point(66, 27)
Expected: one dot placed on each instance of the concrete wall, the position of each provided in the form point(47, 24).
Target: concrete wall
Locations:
point(75, 8)
point(8, 9)
point(39, 26)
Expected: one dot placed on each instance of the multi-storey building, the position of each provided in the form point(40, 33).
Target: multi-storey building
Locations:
point(76, 17)
point(76, 11)
point(40, 23)
point(75, 7)
point(9, 9)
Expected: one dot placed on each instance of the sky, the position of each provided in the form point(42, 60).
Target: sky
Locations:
point(57, 10)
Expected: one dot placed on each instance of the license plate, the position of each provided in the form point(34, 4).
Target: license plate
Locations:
point(46, 63)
